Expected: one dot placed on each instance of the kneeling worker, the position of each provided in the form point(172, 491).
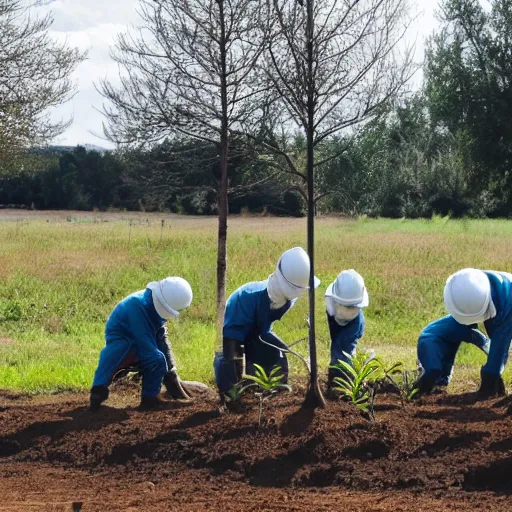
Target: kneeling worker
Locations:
point(250, 312)
point(345, 299)
point(471, 296)
point(135, 331)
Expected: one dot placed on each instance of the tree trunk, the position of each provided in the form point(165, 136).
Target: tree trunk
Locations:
point(314, 397)
point(222, 198)
point(222, 260)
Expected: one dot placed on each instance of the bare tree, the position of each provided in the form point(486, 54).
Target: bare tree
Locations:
point(34, 76)
point(188, 71)
point(332, 65)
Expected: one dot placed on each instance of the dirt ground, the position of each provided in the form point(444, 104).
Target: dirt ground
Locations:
point(446, 452)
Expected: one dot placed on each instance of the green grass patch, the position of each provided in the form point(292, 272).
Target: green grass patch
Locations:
point(60, 280)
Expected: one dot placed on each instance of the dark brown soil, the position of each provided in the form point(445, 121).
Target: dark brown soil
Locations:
point(447, 452)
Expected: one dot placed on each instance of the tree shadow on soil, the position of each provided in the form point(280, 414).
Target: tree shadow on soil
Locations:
point(169, 446)
point(198, 418)
point(229, 462)
point(461, 399)
point(236, 433)
point(280, 471)
point(504, 445)
point(449, 443)
point(171, 404)
point(504, 402)
point(298, 422)
point(492, 477)
point(76, 420)
point(463, 415)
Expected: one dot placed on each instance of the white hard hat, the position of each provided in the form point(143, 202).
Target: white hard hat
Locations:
point(348, 289)
point(467, 296)
point(170, 295)
point(293, 272)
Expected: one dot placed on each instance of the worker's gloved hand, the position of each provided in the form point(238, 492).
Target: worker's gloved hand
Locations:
point(234, 354)
point(491, 385)
point(174, 386)
point(426, 382)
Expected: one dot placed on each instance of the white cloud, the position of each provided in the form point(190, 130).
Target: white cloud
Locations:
point(71, 16)
point(93, 25)
point(425, 21)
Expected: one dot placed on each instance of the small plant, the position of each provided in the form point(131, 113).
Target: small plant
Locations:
point(266, 385)
point(360, 359)
point(401, 380)
point(406, 385)
point(394, 369)
point(359, 373)
point(234, 394)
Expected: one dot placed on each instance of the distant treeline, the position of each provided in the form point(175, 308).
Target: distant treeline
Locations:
point(445, 150)
point(156, 180)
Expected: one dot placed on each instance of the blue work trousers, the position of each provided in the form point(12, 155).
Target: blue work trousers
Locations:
point(438, 345)
point(150, 356)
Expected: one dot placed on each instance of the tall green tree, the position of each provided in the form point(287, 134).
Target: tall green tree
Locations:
point(468, 77)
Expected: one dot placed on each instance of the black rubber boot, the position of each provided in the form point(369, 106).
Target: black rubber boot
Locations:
point(98, 395)
point(491, 386)
point(148, 403)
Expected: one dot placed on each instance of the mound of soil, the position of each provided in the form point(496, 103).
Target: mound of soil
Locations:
point(445, 452)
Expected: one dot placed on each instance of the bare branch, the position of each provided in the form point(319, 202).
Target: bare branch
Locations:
point(35, 75)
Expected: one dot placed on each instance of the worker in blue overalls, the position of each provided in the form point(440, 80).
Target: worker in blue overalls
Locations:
point(345, 299)
point(250, 312)
point(471, 297)
point(136, 332)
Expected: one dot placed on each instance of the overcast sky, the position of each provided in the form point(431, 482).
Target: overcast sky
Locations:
point(92, 25)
